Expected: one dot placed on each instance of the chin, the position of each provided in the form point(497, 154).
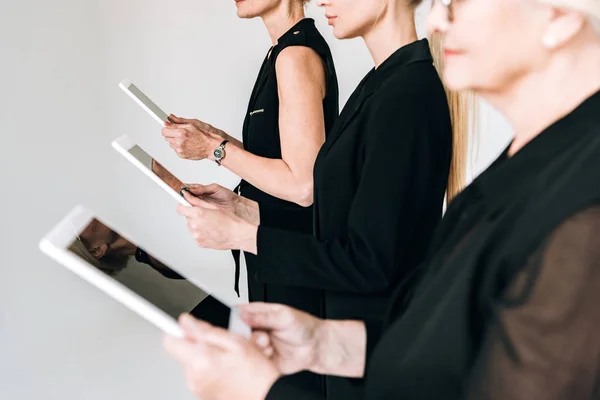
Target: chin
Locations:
point(457, 79)
point(341, 34)
point(244, 13)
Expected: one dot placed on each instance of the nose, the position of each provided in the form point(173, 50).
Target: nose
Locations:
point(323, 3)
point(437, 19)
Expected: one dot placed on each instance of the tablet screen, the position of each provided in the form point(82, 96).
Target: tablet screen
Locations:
point(154, 109)
point(116, 256)
point(156, 168)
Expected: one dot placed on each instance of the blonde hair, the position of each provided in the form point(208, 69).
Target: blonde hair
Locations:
point(463, 115)
point(79, 249)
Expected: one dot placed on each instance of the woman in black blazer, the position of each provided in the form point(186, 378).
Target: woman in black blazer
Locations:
point(379, 182)
point(507, 308)
point(293, 105)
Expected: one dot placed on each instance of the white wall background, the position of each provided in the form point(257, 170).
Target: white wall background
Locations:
point(59, 109)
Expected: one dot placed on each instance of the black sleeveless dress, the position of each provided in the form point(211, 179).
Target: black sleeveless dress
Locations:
point(261, 137)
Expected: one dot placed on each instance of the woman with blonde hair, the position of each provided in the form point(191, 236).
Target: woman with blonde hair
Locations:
point(380, 180)
point(507, 308)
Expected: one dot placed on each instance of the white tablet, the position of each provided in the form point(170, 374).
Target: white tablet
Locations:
point(111, 261)
point(144, 101)
point(150, 167)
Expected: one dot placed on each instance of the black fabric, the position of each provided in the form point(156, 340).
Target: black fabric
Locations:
point(380, 181)
point(508, 306)
point(142, 257)
point(261, 137)
point(211, 310)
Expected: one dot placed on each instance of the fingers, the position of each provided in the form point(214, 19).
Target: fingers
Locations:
point(197, 202)
point(189, 212)
point(180, 349)
point(175, 119)
point(179, 120)
point(202, 332)
point(176, 131)
point(178, 146)
point(193, 200)
point(266, 316)
point(261, 339)
point(199, 190)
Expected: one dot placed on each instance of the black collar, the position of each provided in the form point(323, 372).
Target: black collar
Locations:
point(302, 25)
point(411, 53)
point(507, 175)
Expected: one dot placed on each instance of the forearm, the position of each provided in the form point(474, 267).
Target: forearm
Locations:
point(338, 264)
point(273, 176)
point(232, 140)
point(341, 349)
point(248, 210)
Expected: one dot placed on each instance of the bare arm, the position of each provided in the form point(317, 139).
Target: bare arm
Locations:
point(297, 341)
point(342, 349)
point(301, 80)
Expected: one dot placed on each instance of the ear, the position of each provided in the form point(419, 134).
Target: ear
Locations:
point(99, 251)
point(564, 26)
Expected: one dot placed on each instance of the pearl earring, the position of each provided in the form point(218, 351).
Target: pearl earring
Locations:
point(550, 42)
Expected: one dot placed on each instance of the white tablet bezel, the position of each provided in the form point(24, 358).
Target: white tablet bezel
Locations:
point(145, 102)
point(123, 145)
point(56, 246)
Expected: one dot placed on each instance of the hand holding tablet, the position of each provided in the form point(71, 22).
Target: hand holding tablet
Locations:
point(97, 252)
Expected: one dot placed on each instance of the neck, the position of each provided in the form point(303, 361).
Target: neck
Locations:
point(537, 100)
point(279, 20)
point(393, 31)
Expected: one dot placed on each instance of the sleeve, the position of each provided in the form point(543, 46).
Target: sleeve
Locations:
point(384, 216)
point(283, 391)
point(548, 347)
point(277, 215)
point(375, 329)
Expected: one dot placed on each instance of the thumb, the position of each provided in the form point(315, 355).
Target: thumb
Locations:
point(197, 202)
point(265, 316)
point(200, 331)
point(178, 120)
point(199, 190)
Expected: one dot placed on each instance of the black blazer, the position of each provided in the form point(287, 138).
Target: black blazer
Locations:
point(380, 181)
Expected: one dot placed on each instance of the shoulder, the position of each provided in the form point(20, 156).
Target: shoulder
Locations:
point(296, 62)
point(297, 57)
point(414, 86)
point(413, 93)
point(559, 198)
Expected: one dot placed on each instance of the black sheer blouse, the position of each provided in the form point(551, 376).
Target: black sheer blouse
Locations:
point(508, 304)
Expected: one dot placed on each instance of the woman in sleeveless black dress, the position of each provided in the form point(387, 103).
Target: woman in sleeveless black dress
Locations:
point(293, 105)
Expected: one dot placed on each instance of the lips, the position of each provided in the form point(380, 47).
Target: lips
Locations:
point(451, 52)
point(330, 19)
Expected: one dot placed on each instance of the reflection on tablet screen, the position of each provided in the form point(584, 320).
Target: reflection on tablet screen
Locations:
point(156, 168)
point(124, 261)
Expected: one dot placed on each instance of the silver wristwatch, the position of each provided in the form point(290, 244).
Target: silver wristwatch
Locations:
point(219, 152)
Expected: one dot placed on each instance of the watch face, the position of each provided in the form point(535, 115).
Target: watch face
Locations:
point(218, 153)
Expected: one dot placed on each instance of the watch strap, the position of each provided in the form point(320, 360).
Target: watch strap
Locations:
point(222, 147)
